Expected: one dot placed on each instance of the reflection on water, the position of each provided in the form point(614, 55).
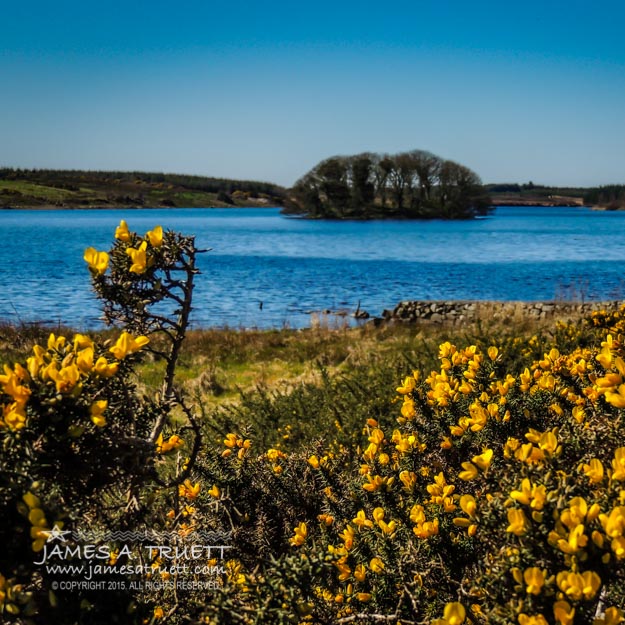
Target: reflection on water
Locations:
point(294, 266)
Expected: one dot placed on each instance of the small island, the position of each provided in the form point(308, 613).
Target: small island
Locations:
point(409, 185)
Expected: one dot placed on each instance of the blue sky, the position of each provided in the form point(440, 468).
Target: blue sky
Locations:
point(517, 91)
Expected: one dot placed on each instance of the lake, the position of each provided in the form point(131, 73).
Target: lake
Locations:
point(295, 266)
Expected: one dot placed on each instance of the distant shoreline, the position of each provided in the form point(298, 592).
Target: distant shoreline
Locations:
point(128, 208)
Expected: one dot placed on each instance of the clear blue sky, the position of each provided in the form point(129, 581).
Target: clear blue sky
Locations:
point(517, 91)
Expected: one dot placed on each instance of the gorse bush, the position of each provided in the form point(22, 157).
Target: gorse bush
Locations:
point(79, 445)
point(495, 493)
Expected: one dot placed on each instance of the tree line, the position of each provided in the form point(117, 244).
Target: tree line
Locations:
point(415, 184)
point(74, 178)
point(610, 196)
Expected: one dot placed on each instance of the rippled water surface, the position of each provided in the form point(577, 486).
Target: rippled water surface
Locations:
point(295, 266)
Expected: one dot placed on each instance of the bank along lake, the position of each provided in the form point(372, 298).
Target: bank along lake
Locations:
point(266, 270)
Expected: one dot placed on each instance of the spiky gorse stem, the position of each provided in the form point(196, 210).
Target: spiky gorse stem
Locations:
point(146, 286)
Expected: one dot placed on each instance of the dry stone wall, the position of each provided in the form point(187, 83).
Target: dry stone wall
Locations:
point(458, 312)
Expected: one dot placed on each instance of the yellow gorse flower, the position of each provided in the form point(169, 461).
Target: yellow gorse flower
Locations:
point(189, 490)
point(155, 236)
point(518, 523)
point(578, 586)
point(534, 619)
point(593, 471)
point(126, 344)
point(301, 533)
point(97, 411)
point(139, 258)
point(165, 446)
point(122, 233)
point(534, 579)
point(453, 614)
point(618, 464)
point(563, 613)
point(98, 261)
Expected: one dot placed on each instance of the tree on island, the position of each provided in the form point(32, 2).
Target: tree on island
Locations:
point(411, 185)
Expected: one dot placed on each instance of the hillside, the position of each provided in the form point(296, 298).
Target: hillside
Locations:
point(90, 189)
point(611, 197)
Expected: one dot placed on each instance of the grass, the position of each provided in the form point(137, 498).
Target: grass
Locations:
point(222, 363)
point(38, 191)
point(314, 381)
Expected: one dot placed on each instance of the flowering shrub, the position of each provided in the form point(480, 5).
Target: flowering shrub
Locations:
point(498, 497)
point(496, 494)
point(79, 444)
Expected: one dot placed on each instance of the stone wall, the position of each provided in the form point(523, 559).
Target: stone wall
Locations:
point(458, 312)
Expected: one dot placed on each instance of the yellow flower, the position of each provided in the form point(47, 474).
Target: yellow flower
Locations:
point(613, 616)
point(361, 520)
point(13, 416)
point(97, 261)
point(127, 344)
point(32, 501)
point(618, 464)
point(483, 460)
point(575, 513)
point(563, 613)
point(616, 398)
point(214, 491)
point(81, 342)
point(470, 472)
point(618, 547)
point(518, 522)
point(155, 236)
point(121, 232)
point(97, 409)
point(188, 489)
point(454, 613)
point(39, 531)
point(376, 565)
point(348, 536)
point(579, 586)
point(84, 359)
point(535, 619)
point(301, 532)
point(104, 369)
point(274, 455)
point(593, 471)
point(492, 352)
point(139, 258)
point(313, 461)
point(408, 386)
point(360, 573)
point(534, 580)
point(614, 523)
point(66, 379)
point(164, 446)
point(548, 442)
point(326, 519)
point(158, 611)
point(576, 540)
point(468, 505)
point(376, 482)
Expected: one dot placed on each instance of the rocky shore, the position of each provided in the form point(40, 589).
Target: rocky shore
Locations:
point(459, 312)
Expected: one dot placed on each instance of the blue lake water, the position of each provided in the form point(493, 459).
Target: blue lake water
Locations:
point(294, 266)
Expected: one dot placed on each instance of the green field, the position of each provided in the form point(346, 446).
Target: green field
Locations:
point(82, 189)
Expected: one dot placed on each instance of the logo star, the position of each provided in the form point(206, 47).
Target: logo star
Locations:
point(56, 534)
